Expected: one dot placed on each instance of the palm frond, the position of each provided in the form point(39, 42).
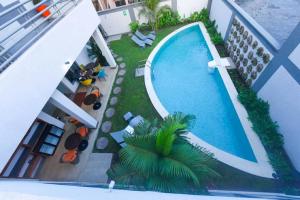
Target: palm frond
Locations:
point(171, 167)
point(139, 159)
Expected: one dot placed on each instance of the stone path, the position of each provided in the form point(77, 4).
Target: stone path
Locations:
point(110, 112)
point(117, 90)
point(102, 143)
point(122, 65)
point(122, 72)
point(119, 80)
point(120, 59)
point(106, 127)
point(113, 101)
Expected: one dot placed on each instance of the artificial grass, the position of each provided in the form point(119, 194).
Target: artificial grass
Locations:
point(134, 98)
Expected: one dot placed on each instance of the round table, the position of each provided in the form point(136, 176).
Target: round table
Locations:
point(83, 145)
point(90, 99)
point(72, 141)
point(97, 105)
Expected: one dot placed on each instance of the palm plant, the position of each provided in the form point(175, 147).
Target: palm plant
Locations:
point(162, 159)
point(95, 53)
point(149, 10)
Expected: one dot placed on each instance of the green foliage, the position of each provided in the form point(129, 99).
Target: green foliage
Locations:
point(134, 26)
point(202, 16)
point(166, 17)
point(36, 2)
point(162, 159)
point(95, 53)
point(149, 10)
point(266, 128)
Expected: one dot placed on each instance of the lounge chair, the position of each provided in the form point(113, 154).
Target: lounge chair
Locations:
point(150, 36)
point(136, 121)
point(137, 41)
point(119, 135)
point(128, 116)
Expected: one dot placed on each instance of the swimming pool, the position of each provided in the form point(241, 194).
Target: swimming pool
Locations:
point(177, 79)
point(182, 83)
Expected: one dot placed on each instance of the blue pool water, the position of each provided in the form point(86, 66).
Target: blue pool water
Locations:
point(182, 83)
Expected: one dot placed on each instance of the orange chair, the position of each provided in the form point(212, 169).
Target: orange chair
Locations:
point(75, 122)
point(96, 91)
point(82, 131)
point(41, 8)
point(70, 156)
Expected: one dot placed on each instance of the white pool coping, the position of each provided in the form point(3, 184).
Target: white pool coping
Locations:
point(260, 168)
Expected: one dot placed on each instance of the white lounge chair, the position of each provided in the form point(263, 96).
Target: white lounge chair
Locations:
point(137, 41)
point(150, 36)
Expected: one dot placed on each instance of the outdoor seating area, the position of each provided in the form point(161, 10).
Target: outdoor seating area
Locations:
point(73, 159)
point(142, 40)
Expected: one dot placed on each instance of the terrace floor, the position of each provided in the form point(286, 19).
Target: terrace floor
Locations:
point(92, 167)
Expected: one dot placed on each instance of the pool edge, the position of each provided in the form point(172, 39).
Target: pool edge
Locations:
point(260, 168)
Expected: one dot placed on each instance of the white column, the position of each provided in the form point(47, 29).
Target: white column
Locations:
point(62, 102)
point(51, 120)
point(104, 48)
point(71, 87)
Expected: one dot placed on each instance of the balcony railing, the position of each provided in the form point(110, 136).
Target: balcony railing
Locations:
point(27, 26)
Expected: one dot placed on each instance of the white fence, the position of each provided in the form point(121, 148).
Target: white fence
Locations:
point(116, 21)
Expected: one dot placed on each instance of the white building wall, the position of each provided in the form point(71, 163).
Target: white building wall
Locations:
point(283, 94)
point(295, 56)
point(186, 7)
point(16, 190)
point(28, 83)
point(116, 23)
point(222, 14)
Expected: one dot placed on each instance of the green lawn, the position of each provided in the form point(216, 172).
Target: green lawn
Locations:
point(134, 98)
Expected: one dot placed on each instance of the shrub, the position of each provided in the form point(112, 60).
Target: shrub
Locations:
point(267, 130)
point(134, 26)
point(203, 16)
point(166, 17)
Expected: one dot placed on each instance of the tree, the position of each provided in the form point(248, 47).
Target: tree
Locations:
point(149, 10)
point(162, 159)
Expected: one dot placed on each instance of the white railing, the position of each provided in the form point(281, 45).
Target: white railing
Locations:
point(15, 38)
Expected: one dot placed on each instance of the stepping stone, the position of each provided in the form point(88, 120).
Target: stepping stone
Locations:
point(122, 65)
point(120, 59)
point(115, 55)
point(113, 101)
point(139, 72)
point(109, 112)
point(119, 80)
point(102, 143)
point(122, 72)
point(117, 90)
point(106, 127)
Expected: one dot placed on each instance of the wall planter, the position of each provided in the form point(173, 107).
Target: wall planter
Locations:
point(247, 52)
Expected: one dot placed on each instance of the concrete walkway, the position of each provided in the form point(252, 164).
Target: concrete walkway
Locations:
point(92, 167)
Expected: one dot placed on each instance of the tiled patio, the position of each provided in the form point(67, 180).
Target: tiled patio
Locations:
point(92, 167)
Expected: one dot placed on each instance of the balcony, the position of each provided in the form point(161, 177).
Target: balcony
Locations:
point(24, 24)
point(36, 57)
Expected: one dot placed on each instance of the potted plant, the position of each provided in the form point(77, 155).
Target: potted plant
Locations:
point(41, 8)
